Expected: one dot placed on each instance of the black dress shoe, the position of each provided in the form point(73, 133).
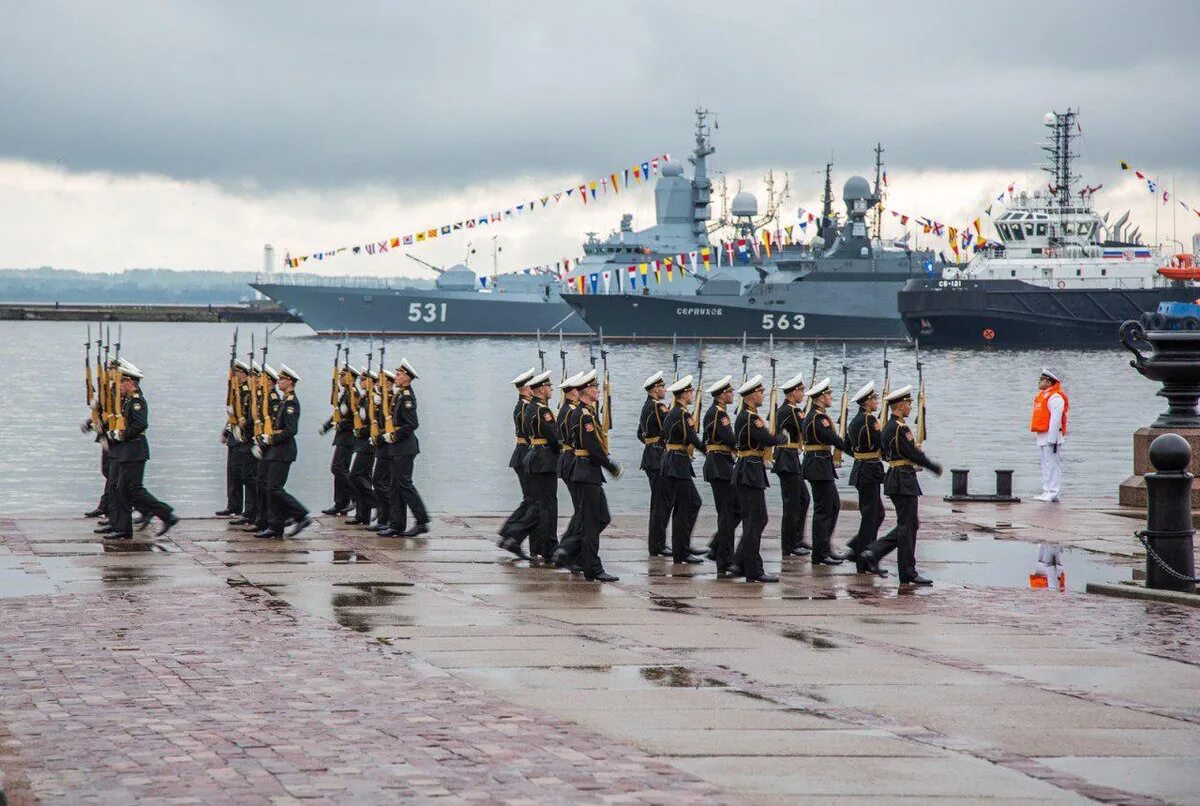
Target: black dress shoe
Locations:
point(95, 513)
point(331, 511)
point(513, 547)
point(689, 561)
point(601, 577)
point(416, 529)
point(830, 560)
point(799, 551)
point(375, 527)
point(576, 571)
point(867, 563)
point(238, 522)
point(119, 536)
point(301, 525)
point(763, 578)
point(104, 522)
point(559, 559)
point(710, 555)
point(104, 530)
point(268, 533)
point(838, 555)
point(253, 526)
point(662, 553)
point(141, 520)
point(698, 552)
point(225, 513)
point(724, 573)
point(353, 521)
point(168, 522)
point(917, 580)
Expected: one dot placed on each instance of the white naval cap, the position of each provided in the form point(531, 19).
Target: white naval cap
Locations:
point(363, 371)
point(863, 393)
point(681, 385)
point(127, 369)
point(652, 381)
point(271, 372)
point(254, 367)
point(240, 364)
point(524, 377)
point(792, 383)
point(585, 379)
point(373, 374)
point(749, 386)
point(721, 385)
point(899, 394)
point(1051, 374)
point(820, 387)
point(353, 370)
point(570, 383)
point(407, 368)
point(539, 379)
point(284, 369)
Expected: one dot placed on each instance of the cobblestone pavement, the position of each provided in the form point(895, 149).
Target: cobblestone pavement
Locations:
point(215, 667)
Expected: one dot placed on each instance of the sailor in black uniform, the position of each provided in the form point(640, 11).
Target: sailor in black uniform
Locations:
point(649, 433)
point(681, 439)
point(591, 459)
point(786, 464)
point(268, 409)
point(568, 416)
point(720, 447)
point(280, 454)
point(754, 441)
point(405, 449)
point(866, 475)
point(381, 472)
point(515, 529)
point(343, 445)
point(820, 438)
point(541, 468)
point(365, 499)
point(903, 456)
point(240, 438)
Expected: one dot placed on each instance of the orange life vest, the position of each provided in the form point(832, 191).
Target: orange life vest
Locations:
point(1040, 422)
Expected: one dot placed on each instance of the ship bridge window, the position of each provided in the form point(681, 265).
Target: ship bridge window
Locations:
point(1041, 229)
point(1003, 230)
point(1029, 230)
point(1016, 231)
point(1079, 272)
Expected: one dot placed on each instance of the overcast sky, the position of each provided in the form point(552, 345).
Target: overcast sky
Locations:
point(188, 134)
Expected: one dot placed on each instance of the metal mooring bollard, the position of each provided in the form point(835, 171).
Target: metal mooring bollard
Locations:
point(958, 481)
point(1004, 483)
point(1170, 558)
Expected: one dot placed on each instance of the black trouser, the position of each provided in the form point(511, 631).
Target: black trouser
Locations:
point(343, 487)
point(234, 497)
point(795, 512)
point(524, 519)
point(381, 481)
point(364, 494)
point(660, 512)
point(870, 510)
point(281, 503)
point(726, 500)
point(826, 504)
point(752, 504)
point(108, 499)
point(685, 508)
point(572, 538)
point(404, 495)
point(245, 468)
point(543, 489)
point(130, 494)
point(263, 513)
point(594, 518)
point(904, 537)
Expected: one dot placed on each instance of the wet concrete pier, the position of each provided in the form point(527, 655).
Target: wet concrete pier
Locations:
point(214, 667)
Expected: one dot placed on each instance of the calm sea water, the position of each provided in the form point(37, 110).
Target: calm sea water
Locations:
point(978, 402)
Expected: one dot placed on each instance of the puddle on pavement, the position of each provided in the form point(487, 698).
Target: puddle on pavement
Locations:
point(815, 641)
point(677, 677)
point(1008, 563)
point(305, 557)
point(15, 582)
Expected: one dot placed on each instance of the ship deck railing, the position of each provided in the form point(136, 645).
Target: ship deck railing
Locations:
point(286, 278)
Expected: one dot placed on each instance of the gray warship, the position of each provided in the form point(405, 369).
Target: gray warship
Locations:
point(518, 303)
point(841, 286)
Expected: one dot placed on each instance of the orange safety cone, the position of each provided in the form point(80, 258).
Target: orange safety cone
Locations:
point(1038, 581)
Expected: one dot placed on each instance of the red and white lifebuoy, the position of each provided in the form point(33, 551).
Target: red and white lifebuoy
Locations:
point(1062, 283)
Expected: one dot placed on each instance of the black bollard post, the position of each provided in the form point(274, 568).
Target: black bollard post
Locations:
point(1004, 484)
point(1170, 557)
point(958, 482)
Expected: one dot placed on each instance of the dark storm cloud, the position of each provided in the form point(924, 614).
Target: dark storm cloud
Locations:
point(308, 94)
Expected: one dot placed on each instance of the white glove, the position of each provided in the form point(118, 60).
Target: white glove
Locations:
point(324, 428)
point(229, 409)
point(344, 409)
point(86, 425)
point(616, 471)
point(237, 433)
point(256, 451)
point(95, 403)
point(224, 437)
point(116, 436)
point(378, 400)
point(265, 439)
point(389, 438)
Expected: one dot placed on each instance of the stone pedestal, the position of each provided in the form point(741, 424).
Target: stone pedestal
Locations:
point(1132, 492)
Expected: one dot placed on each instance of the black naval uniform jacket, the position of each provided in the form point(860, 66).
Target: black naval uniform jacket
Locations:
point(679, 437)
point(591, 453)
point(286, 418)
point(517, 460)
point(649, 433)
point(544, 441)
point(818, 430)
point(753, 437)
point(567, 412)
point(864, 438)
point(903, 457)
point(246, 424)
point(720, 444)
point(344, 436)
point(404, 420)
point(133, 446)
point(789, 422)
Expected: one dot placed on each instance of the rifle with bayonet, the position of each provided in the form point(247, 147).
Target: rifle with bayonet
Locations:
point(675, 355)
point(334, 383)
point(606, 412)
point(811, 381)
point(385, 393)
point(372, 411)
point(920, 429)
point(117, 417)
point(843, 409)
point(773, 412)
point(541, 352)
point(698, 410)
point(98, 420)
point(92, 389)
point(233, 395)
point(268, 424)
point(745, 367)
point(355, 397)
point(887, 379)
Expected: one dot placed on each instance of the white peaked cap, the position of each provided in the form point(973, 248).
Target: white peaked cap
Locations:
point(819, 387)
point(271, 372)
point(374, 374)
point(721, 385)
point(284, 369)
point(680, 385)
point(570, 383)
point(254, 367)
point(750, 385)
point(1051, 374)
point(863, 393)
point(240, 364)
point(353, 370)
point(900, 394)
point(524, 377)
point(363, 371)
point(792, 383)
point(649, 383)
point(129, 370)
point(585, 379)
point(408, 368)
point(539, 379)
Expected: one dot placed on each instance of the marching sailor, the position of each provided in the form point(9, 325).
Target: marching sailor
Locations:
point(240, 439)
point(681, 439)
point(381, 473)
point(568, 416)
point(281, 453)
point(1049, 423)
point(649, 433)
point(866, 475)
point(820, 438)
point(268, 409)
point(591, 459)
point(343, 445)
point(903, 456)
point(754, 441)
point(363, 462)
point(789, 419)
point(517, 527)
point(541, 468)
point(405, 448)
point(720, 445)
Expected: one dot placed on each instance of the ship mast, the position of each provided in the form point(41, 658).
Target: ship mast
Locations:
point(878, 192)
point(1059, 157)
point(496, 250)
point(827, 201)
point(701, 184)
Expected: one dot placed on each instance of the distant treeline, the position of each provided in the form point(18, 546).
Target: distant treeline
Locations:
point(160, 286)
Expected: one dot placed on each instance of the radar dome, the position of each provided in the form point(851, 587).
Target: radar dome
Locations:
point(744, 204)
point(1049, 118)
point(856, 188)
point(672, 168)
